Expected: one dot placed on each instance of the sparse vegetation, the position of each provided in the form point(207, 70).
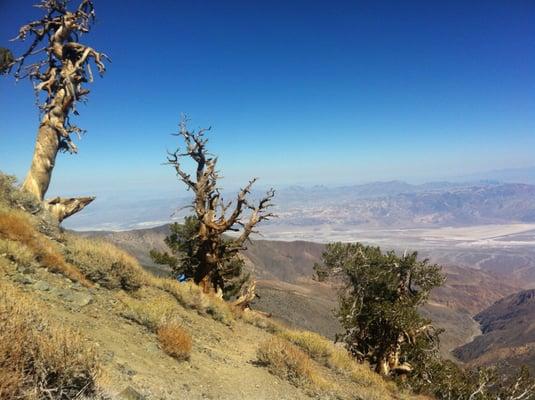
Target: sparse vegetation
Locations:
point(175, 340)
point(39, 359)
point(12, 197)
point(105, 264)
point(287, 361)
point(340, 361)
point(190, 295)
point(17, 252)
point(148, 307)
point(255, 319)
point(17, 226)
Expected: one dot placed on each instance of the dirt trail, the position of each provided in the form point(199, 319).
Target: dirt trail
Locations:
point(222, 362)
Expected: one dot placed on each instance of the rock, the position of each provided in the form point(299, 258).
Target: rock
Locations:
point(77, 299)
point(25, 280)
point(81, 299)
point(108, 356)
point(25, 269)
point(41, 285)
point(129, 393)
point(125, 369)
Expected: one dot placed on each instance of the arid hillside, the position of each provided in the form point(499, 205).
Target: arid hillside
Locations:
point(508, 333)
point(286, 289)
point(80, 318)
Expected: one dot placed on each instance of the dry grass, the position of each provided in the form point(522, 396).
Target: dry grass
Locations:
point(105, 264)
point(12, 197)
point(287, 361)
point(16, 226)
point(189, 295)
point(175, 340)
point(255, 319)
point(324, 351)
point(39, 359)
point(148, 307)
point(16, 252)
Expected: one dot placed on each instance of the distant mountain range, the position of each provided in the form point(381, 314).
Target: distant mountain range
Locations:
point(392, 204)
point(398, 204)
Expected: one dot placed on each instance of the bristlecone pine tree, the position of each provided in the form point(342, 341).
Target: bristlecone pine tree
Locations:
point(61, 66)
point(183, 244)
point(200, 249)
point(379, 298)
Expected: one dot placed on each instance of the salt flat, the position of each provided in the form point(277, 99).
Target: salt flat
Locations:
point(496, 235)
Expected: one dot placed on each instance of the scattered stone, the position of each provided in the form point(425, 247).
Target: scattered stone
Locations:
point(125, 369)
point(81, 299)
point(41, 285)
point(108, 356)
point(25, 280)
point(25, 269)
point(129, 393)
point(76, 298)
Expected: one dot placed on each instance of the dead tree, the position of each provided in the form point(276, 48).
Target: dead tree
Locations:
point(216, 217)
point(59, 69)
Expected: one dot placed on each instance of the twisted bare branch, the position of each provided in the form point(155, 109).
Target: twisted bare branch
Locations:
point(214, 214)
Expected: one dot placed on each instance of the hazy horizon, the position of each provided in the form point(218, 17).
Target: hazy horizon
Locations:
point(303, 93)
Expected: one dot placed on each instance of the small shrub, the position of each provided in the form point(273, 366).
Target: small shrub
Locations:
point(267, 324)
point(336, 358)
point(16, 226)
point(286, 361)
point(190, 295)
point(39, 359)
point(16, 252)
point(11, 196)
point(175, 340)
point(105, 264)
point(315, 345)
point(147, 310)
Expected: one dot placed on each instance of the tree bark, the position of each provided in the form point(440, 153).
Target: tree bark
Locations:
point(44, 158)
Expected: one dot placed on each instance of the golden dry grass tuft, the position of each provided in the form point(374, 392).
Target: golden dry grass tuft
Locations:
point(190, 295)
point(148, 307)
point(16, 252)
point(255, 319)
point(287, 361)
point(105, 264)
point(370, 384)
point(175, 340)
point(16, 226)
point(39, 359)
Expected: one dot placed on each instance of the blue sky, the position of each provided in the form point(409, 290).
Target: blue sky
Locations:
point(296, 92)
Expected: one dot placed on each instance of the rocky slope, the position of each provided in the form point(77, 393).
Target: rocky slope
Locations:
point(285, 269)
point(508, 333)
point(80, 318)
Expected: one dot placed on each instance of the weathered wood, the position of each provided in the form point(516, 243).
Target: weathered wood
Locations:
point(61, 69)
point(215, 216)
point(62, 208)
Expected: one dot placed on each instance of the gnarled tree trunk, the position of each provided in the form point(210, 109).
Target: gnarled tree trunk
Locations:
point(60, 73)
point(44, 158)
